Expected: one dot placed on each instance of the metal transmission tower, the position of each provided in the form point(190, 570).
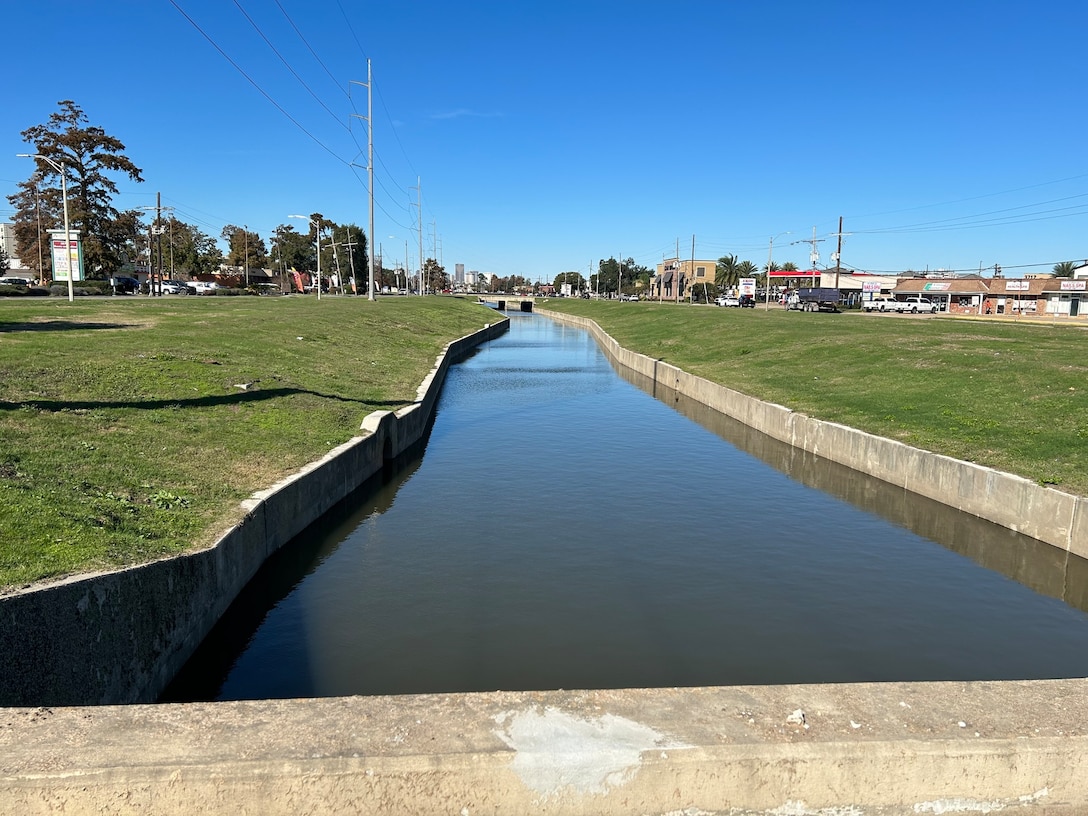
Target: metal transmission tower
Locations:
point(369, 172)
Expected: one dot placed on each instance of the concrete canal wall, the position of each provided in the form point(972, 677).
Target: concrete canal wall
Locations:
point(1049, 515)
point(120, 637)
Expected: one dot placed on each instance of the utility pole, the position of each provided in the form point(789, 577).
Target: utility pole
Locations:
point(814, 255)
point(369, 85)
point(837, 257)
point(245, 235)
point(351, 261)
point(419, 223)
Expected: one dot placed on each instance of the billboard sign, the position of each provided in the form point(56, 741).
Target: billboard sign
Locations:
point(66, 262)
point(748, 286)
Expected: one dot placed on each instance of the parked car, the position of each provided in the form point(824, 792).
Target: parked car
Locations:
point(916, 303)
point(882, 303)
point(747, 301)
point(123, 285)
point(728, 300)
point(12, 281)
point(176, 287)
point(204, 287)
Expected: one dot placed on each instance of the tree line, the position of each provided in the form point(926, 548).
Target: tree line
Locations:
point(117, 241)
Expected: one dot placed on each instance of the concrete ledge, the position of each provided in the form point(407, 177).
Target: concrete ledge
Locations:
point(1049, 515)
point(831, 750)
point(120, 637)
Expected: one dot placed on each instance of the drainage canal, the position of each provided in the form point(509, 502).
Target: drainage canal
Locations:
point(565, 529)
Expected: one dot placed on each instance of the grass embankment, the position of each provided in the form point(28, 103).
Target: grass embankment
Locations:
point(125, 434)
point(1013, 396)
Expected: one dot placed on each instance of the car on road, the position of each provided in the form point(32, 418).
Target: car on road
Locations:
point(124, 285)
point(916, 303)
point(747, 301)
point(176, 287)
point(882, 303)
point(13, 281)
point(204, 287)
point(728, 300)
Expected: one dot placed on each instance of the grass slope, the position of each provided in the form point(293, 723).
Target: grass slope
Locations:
point(126, 433)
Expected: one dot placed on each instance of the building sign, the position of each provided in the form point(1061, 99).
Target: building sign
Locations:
point(748, 286)
point(938, 286)
point(70, 261)
point(1073, 285)
point(1017, 285)
point(870, 286)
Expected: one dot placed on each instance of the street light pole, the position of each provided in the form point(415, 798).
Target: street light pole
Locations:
point(60, 168)
point(245, 232)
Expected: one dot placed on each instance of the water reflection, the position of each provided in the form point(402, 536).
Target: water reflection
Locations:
point(566, 530)
point(1034, 564)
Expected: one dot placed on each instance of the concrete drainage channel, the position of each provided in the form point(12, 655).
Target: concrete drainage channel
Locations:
point(827, 750)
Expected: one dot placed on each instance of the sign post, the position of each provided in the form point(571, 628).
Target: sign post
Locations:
point(67, 255)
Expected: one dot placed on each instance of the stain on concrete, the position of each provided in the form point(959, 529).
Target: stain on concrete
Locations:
point(556, 752)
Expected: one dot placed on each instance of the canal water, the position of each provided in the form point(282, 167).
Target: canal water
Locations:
point(568, 527)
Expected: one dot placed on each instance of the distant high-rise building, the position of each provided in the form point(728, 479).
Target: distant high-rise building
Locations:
point(459, 273)
point(7, 244)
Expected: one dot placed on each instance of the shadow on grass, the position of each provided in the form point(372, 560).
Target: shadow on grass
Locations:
point(194, 402)
point(58, 325)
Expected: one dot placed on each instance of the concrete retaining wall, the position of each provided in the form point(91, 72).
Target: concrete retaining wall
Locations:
point(876, 749)
point(120, 637)
point(1049, 515)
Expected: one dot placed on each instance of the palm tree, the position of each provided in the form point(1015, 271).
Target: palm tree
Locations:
point(725, 272)
point(1064, 269)
point(747, 269)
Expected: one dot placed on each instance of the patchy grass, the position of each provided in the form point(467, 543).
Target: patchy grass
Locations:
point(1013, 396)
point(132, 428)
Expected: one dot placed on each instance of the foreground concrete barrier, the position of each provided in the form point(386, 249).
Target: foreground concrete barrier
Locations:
point(833, 750)
point(120, 637)
point(1044, 513)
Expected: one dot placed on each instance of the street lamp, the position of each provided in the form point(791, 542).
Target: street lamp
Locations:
point(767, 283)
point(59, 167)
point(317, 231)
point(245, 231)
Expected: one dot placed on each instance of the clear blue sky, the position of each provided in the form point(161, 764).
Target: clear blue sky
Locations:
point(548, 135)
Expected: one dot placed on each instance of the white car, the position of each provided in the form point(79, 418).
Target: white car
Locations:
point(728, 301)
point(204, 287)
point(175, 287)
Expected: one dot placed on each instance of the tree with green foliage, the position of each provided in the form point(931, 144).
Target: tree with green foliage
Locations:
point(1064, 269)
point(725, 272)
point(434, 275)
point(246, 249)
point(747, 269)
point(90, 157)
point(576, 281)
point(193, 252)
point(5, 263)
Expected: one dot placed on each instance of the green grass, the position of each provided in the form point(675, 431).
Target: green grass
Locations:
point(124, 435)
point(1013, 396)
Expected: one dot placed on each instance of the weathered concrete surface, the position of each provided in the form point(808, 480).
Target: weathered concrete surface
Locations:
point(1049, 515)
point(825, 750)
point(120, 637)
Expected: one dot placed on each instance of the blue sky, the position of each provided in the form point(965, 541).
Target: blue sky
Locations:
point(547, 136)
